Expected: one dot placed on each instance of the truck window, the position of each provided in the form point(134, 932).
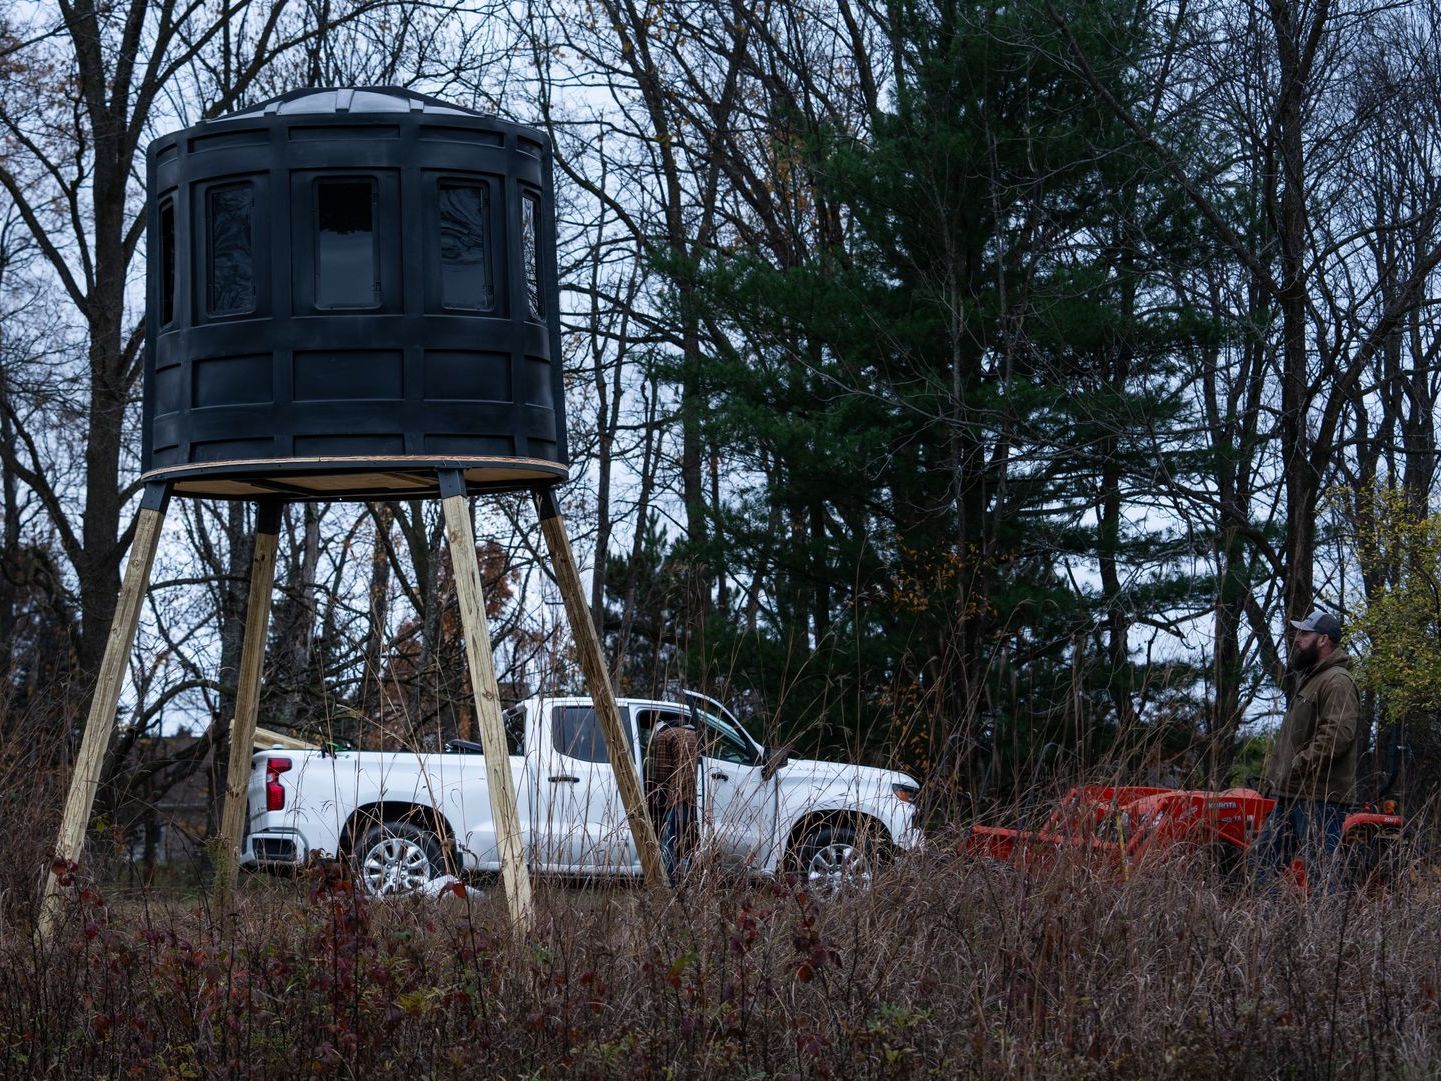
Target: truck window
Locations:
point(725, 743)
point(648, 720)
point(576, 733)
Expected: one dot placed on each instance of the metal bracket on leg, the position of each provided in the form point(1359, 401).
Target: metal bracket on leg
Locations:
point(452, 484)
point(156, 497)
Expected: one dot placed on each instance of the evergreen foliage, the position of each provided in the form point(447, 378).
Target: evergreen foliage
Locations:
point(1402, 620)
point(938, 410)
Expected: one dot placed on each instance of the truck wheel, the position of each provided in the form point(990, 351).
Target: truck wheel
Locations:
point(397, 857)
point(833, 861)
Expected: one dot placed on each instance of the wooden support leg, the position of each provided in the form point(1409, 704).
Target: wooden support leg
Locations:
point(100, 724)
point(471, 594)
point(247, 703)
point(592, 663)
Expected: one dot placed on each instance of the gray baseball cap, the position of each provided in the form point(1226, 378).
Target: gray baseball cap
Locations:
point(1320, 622)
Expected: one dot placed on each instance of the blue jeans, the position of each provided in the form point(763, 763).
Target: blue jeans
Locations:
point(677, 836)
point(1307, 828)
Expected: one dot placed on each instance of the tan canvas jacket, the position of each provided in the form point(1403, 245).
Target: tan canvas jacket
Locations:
point(1315, 752)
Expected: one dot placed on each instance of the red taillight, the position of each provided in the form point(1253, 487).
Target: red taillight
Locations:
point(274, 793)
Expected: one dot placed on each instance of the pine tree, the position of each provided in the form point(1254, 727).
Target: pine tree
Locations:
point(938, 411)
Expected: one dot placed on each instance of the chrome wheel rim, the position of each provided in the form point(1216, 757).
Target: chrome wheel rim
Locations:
point(838, 867)
point(395, 865)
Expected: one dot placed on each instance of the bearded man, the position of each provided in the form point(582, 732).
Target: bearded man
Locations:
point(1311, 772)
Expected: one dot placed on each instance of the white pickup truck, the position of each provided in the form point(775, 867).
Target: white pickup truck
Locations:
point(405, 818)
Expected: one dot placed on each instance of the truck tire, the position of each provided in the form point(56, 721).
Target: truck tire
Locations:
point(833, 860)
point(397, 857)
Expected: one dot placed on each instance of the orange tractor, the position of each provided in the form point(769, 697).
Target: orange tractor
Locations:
point(1124, 826)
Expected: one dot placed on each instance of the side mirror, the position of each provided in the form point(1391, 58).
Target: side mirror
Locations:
point(776, 760)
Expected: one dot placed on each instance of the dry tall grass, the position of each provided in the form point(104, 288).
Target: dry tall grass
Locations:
point(944, 969)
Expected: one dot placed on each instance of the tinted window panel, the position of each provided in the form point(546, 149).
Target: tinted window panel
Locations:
point(529, 223)
point(576, 732)
point(727, 747)
point(724, 742)
point(464, 247)
point(345, 244)
point(231, 212)
point(167, 263)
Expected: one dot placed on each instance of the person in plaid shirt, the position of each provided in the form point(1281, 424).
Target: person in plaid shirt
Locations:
point(676, 751)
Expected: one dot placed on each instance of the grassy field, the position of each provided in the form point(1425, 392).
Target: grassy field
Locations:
point(943, 970)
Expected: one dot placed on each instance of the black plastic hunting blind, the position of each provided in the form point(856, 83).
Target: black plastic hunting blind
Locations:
point(351, 295)
point(349, 290)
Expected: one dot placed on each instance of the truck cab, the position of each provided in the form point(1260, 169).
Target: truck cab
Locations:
point(758, 811)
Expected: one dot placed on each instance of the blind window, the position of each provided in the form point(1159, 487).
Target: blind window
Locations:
point(231, 273)
point(465, 247)
point(345, 260)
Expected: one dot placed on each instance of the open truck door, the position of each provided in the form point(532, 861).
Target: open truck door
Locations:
point(737, 794)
